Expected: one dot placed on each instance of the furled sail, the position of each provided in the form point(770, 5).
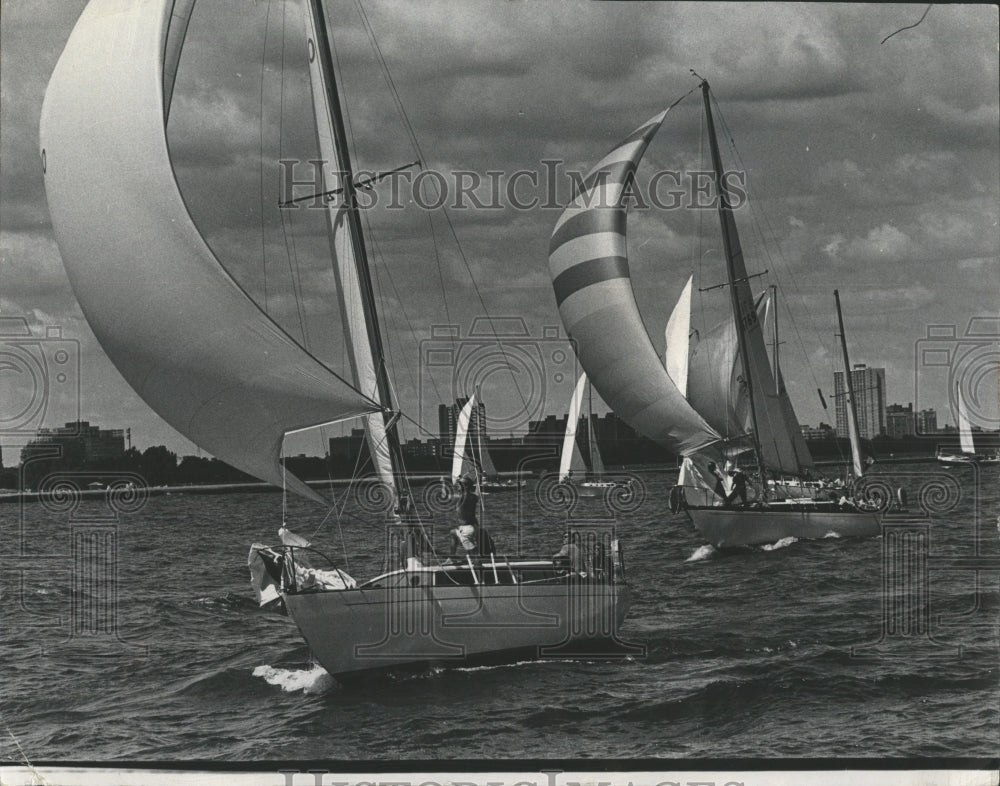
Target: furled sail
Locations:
point(675, 352)
point(588, 262)
point(359, 348)
point(571, 459)
point(180, 330)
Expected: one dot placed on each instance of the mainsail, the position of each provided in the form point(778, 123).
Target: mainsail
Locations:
point(792, 427)
point(588, 262)
point(181, 331)
point(342, 245)
point(774, 440)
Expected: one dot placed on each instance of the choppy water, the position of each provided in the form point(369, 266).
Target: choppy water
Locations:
point(749, 652)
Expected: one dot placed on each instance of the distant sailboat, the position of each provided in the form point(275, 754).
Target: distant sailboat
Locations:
point(573, 467)
point(215, 366)
point(967, 448)
point(710, 403)
point(472, 456)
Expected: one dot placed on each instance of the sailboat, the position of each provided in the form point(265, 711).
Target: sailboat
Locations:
point(967, 449)
point(572, 464)
point(472, 458)
point(709, 404)
point(214, 365)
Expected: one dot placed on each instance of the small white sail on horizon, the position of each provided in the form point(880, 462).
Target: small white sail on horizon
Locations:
point(571, 459)
point(461, 463)
point(964, 427)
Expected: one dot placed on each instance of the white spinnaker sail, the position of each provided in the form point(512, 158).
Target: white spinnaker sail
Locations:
point(359, 348)
point(181, 331)
point(460, 464)
point(676, 349)
point(571, 459)
point(588, 263)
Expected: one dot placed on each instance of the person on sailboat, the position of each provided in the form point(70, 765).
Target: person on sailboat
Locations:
point(720, 484)
point(463, 537)
point(739, 480)
point(572, 552)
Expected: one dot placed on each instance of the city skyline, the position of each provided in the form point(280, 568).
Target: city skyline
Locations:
point(875, 163)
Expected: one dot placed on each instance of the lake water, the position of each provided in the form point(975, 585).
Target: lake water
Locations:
point(130, 632)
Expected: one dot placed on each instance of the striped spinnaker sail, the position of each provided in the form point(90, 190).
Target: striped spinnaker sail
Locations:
point(588, 262)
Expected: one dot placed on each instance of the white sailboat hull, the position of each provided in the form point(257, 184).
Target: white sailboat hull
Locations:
point(362, 632)
point(724, 528)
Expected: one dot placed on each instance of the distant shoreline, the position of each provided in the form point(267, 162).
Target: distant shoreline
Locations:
point(416, 480)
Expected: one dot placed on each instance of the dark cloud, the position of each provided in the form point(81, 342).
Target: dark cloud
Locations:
point(874, 167)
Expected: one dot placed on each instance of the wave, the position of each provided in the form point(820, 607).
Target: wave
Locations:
point(784, 542)
point(314, 680)
point(700, 553)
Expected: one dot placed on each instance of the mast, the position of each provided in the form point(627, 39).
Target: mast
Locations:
point(737, 279)
point(774, 327)
point(852, 413)
point(323, 52)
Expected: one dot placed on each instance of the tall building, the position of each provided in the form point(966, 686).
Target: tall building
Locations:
point(448, 423)
point(926, 421)
point(900, 421)
point(869, 400)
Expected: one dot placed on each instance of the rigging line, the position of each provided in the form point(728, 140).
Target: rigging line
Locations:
point(784, 263)
point(420, 154)
point(288, 237)
point(386, 358)
point(390, 83)
point(263, 242)
point(387, 76)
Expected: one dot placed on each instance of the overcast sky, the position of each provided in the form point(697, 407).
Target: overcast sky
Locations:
point(872, 168)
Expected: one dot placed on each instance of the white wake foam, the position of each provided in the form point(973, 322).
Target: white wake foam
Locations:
point(780, 544)
point(702, 552)
point(314, 680)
